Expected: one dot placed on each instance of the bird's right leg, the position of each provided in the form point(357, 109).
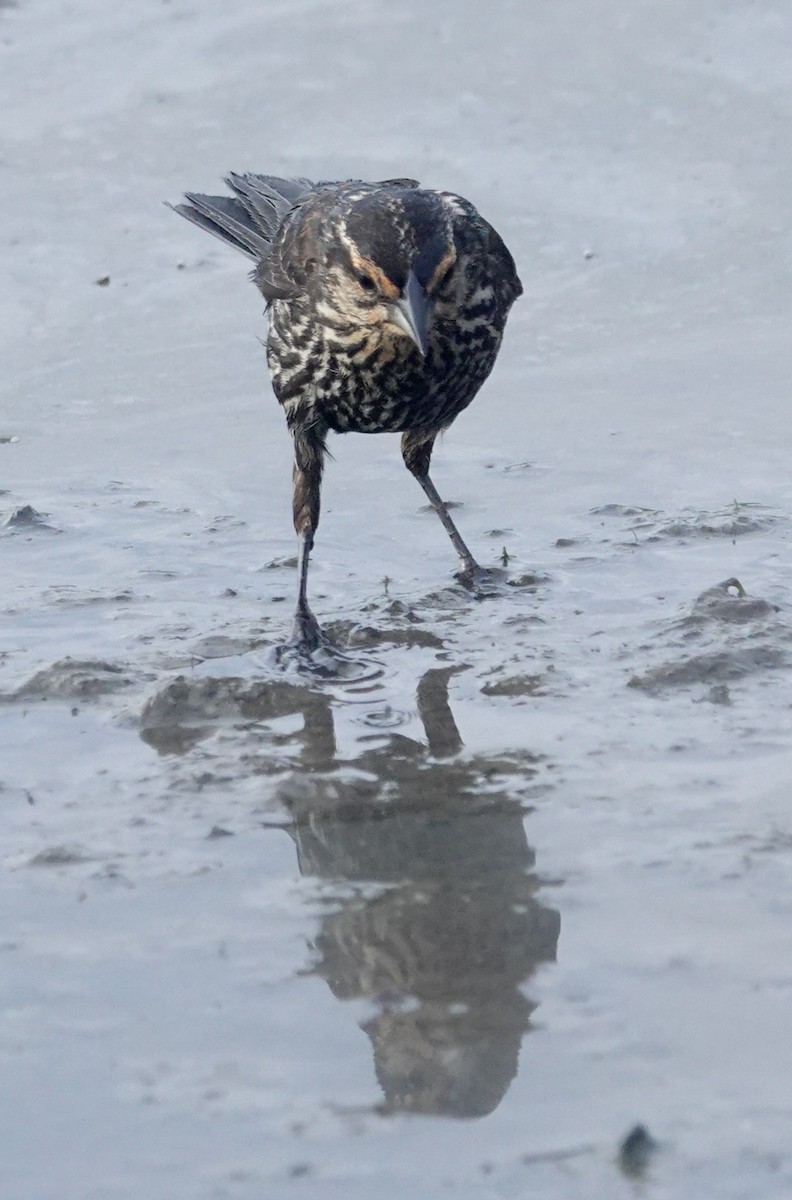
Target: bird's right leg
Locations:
point(309, 447)
point(416, 449)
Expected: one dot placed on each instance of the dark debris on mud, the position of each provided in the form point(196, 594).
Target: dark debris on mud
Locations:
point(647, 525)
point(384, 622)
point(726, 636)
point(27, 519)
point(636, 1152)
point(518, 685)
point(59, 856)
point(393, 622)
point(351, 635)
point(74, 680)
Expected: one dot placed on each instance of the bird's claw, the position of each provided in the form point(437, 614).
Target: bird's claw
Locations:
point(305, 641)
point(306, 634)
point(311, 653)
point(481, 581)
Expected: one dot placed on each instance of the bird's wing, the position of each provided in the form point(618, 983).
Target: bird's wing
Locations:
point(286, 271)
point(500, 255)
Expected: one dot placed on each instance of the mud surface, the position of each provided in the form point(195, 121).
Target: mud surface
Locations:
point(502, 907)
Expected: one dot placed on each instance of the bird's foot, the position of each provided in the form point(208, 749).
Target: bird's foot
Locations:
point(481, 581)
point(309, 652)
point(307, 645)
point(306, 634)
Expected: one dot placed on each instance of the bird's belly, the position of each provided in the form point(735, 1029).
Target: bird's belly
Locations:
point(369, 416)
point(388, 392)
point(429, 393)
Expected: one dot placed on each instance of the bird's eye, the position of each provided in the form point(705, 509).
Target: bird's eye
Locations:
point(365, 281)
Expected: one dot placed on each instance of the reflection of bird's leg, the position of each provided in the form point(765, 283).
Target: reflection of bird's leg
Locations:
point(308, 463)
point(435, 712)
point(318, 736)
point(416, 449)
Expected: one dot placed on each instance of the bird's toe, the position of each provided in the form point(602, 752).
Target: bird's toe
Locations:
point(481, 581)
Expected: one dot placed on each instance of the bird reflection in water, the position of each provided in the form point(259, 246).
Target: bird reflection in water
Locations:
point(444, 940)
point(444, 947)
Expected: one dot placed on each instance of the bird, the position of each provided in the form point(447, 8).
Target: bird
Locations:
point(386, 304)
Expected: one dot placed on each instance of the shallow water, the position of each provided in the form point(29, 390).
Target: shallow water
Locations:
point(517, 879)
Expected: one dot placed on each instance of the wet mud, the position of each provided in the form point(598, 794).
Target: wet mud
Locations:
point(412, 785)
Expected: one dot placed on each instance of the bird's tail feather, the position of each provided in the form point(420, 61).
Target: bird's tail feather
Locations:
point(250, 219)
point(227, 219)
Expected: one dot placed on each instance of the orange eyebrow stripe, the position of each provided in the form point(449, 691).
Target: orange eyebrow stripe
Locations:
point(360, 263)
point(448, 259)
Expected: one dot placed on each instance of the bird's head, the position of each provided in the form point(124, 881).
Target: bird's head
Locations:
point(392, 257)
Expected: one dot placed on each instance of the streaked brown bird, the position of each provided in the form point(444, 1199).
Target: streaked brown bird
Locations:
point(387, 304)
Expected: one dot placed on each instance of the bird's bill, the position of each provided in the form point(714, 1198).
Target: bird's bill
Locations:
point(411, 313)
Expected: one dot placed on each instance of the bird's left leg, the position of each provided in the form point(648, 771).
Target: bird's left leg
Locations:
point(416, 448)
point(309, 448)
